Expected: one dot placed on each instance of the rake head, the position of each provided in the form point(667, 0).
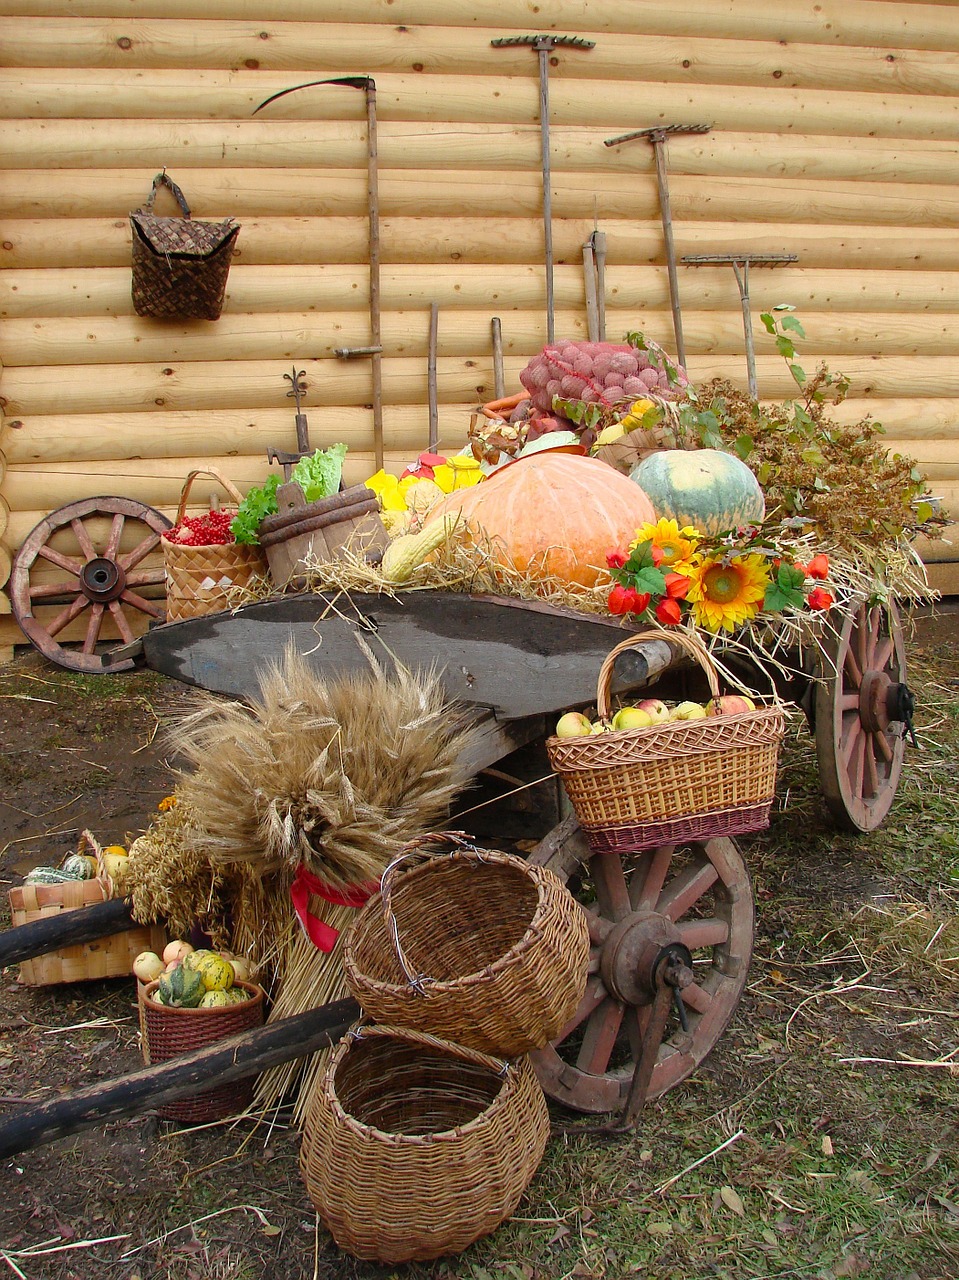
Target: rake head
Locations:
point(543, 42)
point(657, 132)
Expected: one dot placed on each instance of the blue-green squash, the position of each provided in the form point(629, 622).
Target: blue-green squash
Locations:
point(707, 488)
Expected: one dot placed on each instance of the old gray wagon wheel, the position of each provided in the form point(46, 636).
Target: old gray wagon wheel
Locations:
point(697, 895)
point(863, 707)
point(99, 579)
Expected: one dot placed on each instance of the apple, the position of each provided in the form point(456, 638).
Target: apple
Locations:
point(631, 718)
point(655, 708)
point(733, 704)
point(573, 725)
point(148, 966)
point(599, 726)
point(174, 951)
point(688, 711)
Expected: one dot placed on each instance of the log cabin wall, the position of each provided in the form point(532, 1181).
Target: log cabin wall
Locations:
point(833, 137)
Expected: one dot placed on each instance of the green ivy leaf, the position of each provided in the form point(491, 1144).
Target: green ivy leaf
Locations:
point(785, 347)
point(768, 321)
point(790, 322)
point(784, 306)
point(799, 373)
point(651, 580)
point(744, 445)
point(924, 511)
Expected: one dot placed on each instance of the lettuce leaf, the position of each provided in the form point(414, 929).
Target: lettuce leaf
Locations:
point(319, 474)
point(258, 503)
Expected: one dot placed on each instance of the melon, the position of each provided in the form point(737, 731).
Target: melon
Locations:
point(551, 515)
point(707, 488)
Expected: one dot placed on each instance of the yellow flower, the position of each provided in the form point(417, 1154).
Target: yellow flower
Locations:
point(727, 595)
point(677, 545)
point(168, 802)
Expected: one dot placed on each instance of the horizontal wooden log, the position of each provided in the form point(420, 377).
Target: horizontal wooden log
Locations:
point(51, 95)
point(455, 193)
point(113, 340)
point(156, 481)
point(222, 385)
point(318, 288)
point(160, 1083)
point(832, 22)
point(341, 144)
point(69, 928)
point(287, 46)
point(117, 436)
point(27, 243)
point(109, 437)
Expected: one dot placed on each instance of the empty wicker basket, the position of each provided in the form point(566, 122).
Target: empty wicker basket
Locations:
point(476, 946)
point(413, 1148)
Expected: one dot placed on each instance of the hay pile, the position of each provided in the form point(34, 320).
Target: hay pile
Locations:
point(334, 776)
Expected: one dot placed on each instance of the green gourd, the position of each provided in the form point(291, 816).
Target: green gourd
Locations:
point(181, 988)
point(709, 489)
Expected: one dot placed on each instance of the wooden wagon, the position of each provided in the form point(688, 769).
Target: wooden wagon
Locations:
point(518, 664)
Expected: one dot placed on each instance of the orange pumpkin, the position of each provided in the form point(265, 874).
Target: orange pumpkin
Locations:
point(553, 515)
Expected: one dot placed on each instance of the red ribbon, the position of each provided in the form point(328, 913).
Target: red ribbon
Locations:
point(323, 935)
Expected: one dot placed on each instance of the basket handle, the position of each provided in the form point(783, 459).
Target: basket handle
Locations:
point(369, 1030)
point(682, 639)
point(228, 485)
point(89, 841)
point(411, 850)
point(163, 180)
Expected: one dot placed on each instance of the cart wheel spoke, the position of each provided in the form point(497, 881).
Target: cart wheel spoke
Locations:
point(686, 889)
point(67, 615)
point(85, 539)
point(858, 741)
point(611, 888)
point(61, 561)
point(648, 881)
point(93, 628)
point(696, 894)
point(706, 932)
point(600, 1038)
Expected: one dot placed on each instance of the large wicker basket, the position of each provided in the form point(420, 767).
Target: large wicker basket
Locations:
point(413, 1147)
point(202, 580)
point(110, 957)
point(682, 780)
point(475, 946)
point(168, 1033)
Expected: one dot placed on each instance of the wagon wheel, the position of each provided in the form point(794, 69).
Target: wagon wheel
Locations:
point(697, 895)
point(862, 710)
point(99, 580)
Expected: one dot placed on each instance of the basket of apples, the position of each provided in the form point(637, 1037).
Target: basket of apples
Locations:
point(654, 774)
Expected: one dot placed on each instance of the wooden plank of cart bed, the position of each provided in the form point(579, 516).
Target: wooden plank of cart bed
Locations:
point(520, 658)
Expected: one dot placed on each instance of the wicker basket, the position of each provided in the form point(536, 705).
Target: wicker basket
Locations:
point(477, 946)
point(413, 1147)
point(683, 780)
point(202, 580)
point(110, 957)
point(168, 1033)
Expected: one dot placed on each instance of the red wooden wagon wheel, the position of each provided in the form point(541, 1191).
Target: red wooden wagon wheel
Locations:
point(100, 581)
point(863, 708)
point(696, 895)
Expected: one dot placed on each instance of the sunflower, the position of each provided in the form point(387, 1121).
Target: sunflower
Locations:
point(677, 545)
point(727, 595)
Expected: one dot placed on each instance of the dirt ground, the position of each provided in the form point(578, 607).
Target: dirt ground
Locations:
point(87, 752)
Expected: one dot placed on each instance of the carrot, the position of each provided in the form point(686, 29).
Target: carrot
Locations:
point(499, 408)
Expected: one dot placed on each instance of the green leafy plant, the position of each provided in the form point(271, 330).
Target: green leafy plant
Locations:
point(318, 475)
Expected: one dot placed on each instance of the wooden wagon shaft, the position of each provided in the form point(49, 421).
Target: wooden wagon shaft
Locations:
point(161, 1083)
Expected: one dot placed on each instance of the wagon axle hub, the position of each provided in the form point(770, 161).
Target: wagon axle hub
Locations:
point(883, 701)
point(102, 580)
point(633, 952)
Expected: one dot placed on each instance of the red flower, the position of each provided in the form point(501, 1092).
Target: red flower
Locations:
point(616, 559)
point(657, 554)
point(627, 600)
point(818, 567)
point(667, 610)
point(819, 598)
point(677, 584)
